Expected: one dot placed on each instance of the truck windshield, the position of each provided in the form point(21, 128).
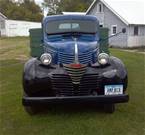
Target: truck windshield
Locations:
point(65, 26)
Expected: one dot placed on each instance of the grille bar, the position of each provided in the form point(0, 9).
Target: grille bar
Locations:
point(66, 58)
point(75, 73)
point(63, 86)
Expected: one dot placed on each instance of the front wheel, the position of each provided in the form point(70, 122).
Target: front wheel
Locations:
point(109, 108)
point(31, 110)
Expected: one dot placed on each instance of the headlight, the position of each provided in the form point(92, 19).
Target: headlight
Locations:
point(46, 58)
point(103, 58)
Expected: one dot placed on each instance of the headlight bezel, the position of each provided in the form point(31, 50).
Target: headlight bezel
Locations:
point(46, 59)
point(103, 59)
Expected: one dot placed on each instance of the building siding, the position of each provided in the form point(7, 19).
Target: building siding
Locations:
point(108, 19)
point(96, 13)
point(141, 30)
point(19, 28)
point(136, 40)
point(12, 28)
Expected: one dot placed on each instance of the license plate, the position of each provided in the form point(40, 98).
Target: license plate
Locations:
point(113, 89)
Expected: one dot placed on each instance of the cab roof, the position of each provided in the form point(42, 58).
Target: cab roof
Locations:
point(70, 17)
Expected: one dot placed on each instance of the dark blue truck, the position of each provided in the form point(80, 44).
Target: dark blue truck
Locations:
point(72, 67)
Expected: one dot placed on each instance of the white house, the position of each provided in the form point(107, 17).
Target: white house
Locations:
point(12, 28)
point(118, 14)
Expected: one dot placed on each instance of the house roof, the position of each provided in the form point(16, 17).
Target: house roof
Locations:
point(129, 11)
point(2, 15)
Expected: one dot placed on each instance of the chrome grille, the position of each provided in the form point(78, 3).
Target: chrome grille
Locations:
point(75, 73)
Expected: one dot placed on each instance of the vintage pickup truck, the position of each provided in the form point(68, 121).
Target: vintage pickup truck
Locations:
point(73, 67)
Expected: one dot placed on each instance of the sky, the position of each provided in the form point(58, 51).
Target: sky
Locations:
point(138, 1)
point(39, 3)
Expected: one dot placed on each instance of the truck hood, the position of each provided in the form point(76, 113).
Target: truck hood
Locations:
point(69, 46)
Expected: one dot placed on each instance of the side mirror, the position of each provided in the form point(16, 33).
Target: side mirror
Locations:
point(124, 30)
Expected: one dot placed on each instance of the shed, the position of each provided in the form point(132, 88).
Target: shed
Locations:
point(12, 28)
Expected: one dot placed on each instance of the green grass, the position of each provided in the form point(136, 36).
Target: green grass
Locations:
point(129, 118)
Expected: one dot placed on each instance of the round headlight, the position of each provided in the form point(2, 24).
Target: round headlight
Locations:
point(46, 58)
point(103, 58)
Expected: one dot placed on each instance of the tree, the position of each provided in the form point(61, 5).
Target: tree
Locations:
point(28, 10)
point(53, 6)
point(75, 6)
point(58, 6)
point(34, 12)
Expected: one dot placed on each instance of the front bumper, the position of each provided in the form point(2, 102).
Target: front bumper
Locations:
point(30, 101)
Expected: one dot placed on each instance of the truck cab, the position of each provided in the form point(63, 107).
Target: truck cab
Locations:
point(73, 67)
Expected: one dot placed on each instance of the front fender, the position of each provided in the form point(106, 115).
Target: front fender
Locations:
point(36, 81)
point(118, 64)
point(29, 69)
point(117, 73)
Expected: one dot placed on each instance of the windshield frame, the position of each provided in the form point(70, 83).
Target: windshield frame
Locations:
point(82, 24)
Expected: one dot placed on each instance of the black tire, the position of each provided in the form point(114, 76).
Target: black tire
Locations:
point(109, 108)
point(31, 110)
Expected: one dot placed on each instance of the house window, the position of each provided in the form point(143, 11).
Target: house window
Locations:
point(114, 29)
point(100, 7)
point(135, 30)
point(101, 25)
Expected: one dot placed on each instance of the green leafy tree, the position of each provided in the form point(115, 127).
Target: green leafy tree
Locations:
point(28, 10)
point(53, 6)
point(58, 6)
point(75, 6)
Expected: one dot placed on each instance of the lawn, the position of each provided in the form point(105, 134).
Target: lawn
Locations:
point(129, 118)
